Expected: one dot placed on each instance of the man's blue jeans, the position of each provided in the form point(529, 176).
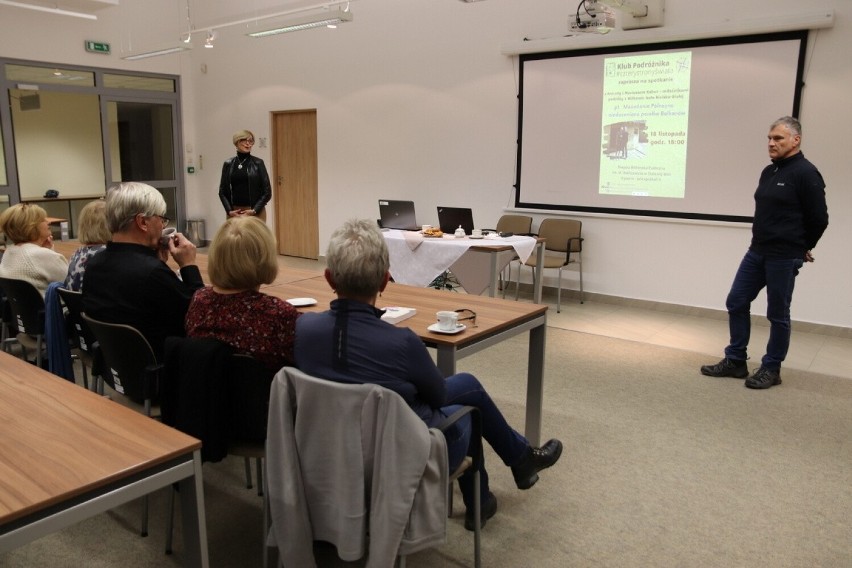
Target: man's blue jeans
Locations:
point(778, 276)
point(464, 389)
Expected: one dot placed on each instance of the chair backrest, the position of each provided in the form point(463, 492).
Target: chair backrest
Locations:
point(26, 305)
point(347, 459)
point(517, 224)
point(561, 234)
point(249, 381)
point(82, 335)
point(133, 367)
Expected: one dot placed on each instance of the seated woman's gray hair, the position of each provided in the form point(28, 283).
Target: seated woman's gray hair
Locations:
point(357, 258)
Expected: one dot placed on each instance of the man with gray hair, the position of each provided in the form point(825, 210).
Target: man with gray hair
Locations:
point(129, 282)
point(790, 216)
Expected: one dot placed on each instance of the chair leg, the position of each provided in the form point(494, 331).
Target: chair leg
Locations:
point(477, 525)
point(248, 473)
point(518, 281)
point(559, 292)
point(144, 516)
point(85, 375)
point(171, 525)
point(259, 468)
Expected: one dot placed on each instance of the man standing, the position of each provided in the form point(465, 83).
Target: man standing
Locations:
point(789, 218)
point(129, 282)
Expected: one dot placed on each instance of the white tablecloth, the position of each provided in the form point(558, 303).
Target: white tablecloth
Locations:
point(416, 260)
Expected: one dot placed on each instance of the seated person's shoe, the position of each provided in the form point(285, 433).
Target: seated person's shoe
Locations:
point(489, 509)
point(764, 378)
point(537, 459)
point(726, 368)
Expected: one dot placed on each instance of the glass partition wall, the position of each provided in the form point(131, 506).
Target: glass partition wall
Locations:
point(79, 131)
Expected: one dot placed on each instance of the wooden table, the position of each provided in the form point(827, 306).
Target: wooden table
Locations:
point(67, 454)
point(496, 321)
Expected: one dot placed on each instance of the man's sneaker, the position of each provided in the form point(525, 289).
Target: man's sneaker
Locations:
point(536, 459)
point(764, 378)
point(726, 368)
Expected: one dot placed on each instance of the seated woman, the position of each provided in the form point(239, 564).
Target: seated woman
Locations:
point(241, 258)
point(351, 344)
point(93, 233)
point(32, 257)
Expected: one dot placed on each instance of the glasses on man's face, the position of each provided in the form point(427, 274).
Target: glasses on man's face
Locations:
point(164, 219)
point(467, 314)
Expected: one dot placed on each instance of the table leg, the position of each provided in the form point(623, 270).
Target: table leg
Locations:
point(194, 519)
point(495, 274)
point(447, 360)
point(539, 272)
point(535, 385)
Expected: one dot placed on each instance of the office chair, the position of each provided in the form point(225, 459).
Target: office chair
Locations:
point(82, 339)
point(562, 237)
point(131, 368)
point(219, 397)
point(324, 476)
point(516, 225)
point(27, 308)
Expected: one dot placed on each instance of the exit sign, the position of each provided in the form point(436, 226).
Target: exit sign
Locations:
point(97, 47)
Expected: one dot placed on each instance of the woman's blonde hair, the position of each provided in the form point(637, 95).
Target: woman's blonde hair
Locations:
point(242, 255)
point(242, 135)
point(93, 229)
point(20, 222)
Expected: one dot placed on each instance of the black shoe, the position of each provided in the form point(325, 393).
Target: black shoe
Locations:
point(764, 378)
point(726, 368)
point(537, 459)
point(489, 509)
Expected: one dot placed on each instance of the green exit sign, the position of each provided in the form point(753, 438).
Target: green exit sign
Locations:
point(97, 47)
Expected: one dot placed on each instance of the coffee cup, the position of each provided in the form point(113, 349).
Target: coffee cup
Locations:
point(447, 321)
point(476, 233)
point(167, 234)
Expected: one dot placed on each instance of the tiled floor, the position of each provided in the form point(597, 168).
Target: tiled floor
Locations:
point(809, 351)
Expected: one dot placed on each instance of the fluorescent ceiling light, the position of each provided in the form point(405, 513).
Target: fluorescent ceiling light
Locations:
point(157, 52)
point(307, 22)
point(49, 10)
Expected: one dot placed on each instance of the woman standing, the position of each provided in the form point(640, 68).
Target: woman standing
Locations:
point(244, 187)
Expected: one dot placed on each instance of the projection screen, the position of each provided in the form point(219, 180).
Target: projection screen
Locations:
point(667, 130)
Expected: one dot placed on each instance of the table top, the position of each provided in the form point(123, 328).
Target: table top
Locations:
point(60, 441)
point(492, 314)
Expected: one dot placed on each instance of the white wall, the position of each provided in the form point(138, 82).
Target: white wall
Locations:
point(415, 100)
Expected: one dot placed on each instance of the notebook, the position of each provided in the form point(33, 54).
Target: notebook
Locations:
point(397, 215)
point(449, 219)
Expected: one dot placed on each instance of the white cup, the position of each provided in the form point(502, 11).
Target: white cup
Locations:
point(476, 233)
point(447, 321)
point(167, 234)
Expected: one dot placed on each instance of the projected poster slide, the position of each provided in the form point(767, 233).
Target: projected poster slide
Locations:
point(645, 121)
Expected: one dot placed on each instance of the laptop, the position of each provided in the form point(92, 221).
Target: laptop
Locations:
point(397, 215)
point(450, 218)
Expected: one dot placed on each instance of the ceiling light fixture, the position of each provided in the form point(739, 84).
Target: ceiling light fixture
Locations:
point(211, 37)
point(49, 10)
point(331, 18)
point(156, 52)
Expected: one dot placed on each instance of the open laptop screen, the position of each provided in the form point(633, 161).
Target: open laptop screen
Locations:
point(397, 215)
point(450, 218)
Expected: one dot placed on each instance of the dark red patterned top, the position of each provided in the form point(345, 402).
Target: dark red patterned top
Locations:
point(252, 323)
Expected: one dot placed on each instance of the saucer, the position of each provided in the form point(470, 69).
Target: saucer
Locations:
point(435, 329)
point(474, 237)
point(301, 302)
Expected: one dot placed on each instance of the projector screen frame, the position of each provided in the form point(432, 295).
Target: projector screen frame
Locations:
point(800, 35)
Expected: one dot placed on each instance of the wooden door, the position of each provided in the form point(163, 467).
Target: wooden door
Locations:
point(295, 183)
